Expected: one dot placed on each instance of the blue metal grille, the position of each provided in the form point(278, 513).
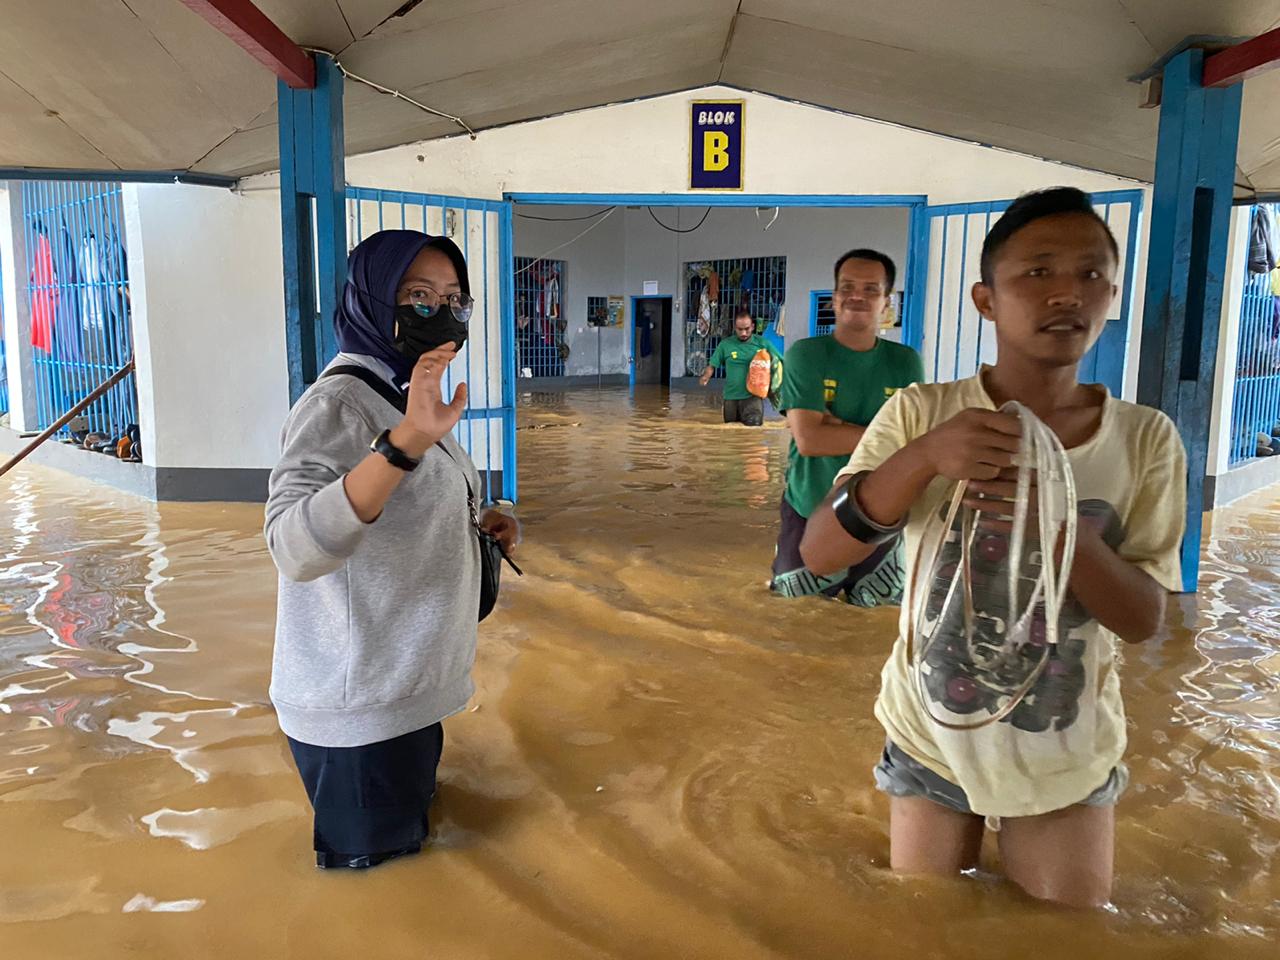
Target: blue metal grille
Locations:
point(78, 292)
point(540, 316)
point(715, 289)
point(1256, 409)
point(956, 339)
point(482, 229)
point(822, 314)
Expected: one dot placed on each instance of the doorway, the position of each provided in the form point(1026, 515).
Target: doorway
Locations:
point(651, 340)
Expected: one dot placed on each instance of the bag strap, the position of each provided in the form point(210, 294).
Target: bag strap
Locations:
point(471, 496)
point(372, 381)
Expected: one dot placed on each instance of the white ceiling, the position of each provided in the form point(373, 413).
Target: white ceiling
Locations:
point(148, 85)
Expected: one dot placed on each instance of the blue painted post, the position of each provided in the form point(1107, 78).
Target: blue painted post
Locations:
point(312, 219)
point(506, 257)
point(917, 279)
point(1195, 168)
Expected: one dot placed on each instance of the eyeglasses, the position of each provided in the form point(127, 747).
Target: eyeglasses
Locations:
point(426, 302)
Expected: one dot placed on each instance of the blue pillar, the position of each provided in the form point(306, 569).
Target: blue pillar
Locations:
point(313, 220)
point(917, 279)
point(1195, 175)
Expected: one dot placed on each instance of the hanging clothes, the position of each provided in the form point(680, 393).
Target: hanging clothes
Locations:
point(67, 330)
point(94, 305)
point(553, 294)
point(1263, 255)
point(713, 286)
point(704, 315)
point(44, 295)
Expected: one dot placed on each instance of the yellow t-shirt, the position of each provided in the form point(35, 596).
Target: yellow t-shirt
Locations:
point(1062, 742)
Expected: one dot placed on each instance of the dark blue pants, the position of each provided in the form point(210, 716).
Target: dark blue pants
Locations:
point(371, 801)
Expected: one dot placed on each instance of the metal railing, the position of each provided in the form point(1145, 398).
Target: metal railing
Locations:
point(1256, 409)
point(78, 292)
point(482, 229)
point(957, 341)
point(541, 321)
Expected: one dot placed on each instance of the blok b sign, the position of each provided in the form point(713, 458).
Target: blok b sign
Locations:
point(716, 145)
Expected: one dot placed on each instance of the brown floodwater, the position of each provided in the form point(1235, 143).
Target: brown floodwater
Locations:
point(662, 760)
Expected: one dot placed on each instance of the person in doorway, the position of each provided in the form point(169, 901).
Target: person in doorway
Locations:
point(1049, 772)
point(735, 355)
point(832, 386)
point(368, 522)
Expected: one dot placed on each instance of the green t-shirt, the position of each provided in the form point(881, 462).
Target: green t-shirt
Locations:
point(820, 374)
point(735, 356)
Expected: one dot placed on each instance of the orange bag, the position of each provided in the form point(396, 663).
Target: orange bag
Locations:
point(759, 374)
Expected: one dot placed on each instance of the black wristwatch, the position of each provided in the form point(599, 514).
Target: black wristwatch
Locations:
point(856, 523)
point(395, 456)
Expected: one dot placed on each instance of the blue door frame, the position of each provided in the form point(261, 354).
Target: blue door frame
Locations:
point(631, 331)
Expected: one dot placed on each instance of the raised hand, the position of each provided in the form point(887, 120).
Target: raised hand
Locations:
point(428, 418)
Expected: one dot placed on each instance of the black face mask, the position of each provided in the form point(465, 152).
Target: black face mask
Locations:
point(416, 334)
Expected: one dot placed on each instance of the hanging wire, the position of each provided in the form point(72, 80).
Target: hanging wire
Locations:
point(675, 230)
point(388, 91)
point(532, 263)
point(776, 212)
point(589, 216)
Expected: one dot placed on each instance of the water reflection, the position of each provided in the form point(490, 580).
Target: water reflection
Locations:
point(661, 760)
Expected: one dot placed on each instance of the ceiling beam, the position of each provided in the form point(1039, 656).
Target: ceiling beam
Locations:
point(250, 28)
point(1242, 61)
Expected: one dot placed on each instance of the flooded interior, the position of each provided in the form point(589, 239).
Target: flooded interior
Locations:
point(662, 759)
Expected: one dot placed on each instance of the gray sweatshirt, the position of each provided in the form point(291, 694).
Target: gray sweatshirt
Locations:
point(376, 623)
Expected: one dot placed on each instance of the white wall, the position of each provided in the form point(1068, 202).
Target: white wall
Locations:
point(205, 270)
point(1224, 383)
point(17, 312)
point(594, 266)
point(643, 147)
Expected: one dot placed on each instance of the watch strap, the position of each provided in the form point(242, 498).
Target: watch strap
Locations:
point(395, 456)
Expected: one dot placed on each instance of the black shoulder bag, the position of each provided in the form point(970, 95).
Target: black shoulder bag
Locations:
point(492, 553)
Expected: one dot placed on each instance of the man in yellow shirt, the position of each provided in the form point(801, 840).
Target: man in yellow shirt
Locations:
point(1051, 769)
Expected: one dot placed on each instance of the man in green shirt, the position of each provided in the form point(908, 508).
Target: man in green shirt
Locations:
point(735, 355)
point(832, 387)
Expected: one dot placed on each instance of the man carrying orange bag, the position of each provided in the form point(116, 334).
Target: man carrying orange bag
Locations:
point(744, 369)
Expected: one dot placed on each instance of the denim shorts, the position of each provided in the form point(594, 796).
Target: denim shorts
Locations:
point(902, 776)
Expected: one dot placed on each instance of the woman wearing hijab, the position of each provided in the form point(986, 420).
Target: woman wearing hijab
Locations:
point(368, 523)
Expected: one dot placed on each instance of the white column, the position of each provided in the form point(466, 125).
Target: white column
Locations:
point(17, 310)
point(1224, 378)
point(140, 317)
point(205, 277)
